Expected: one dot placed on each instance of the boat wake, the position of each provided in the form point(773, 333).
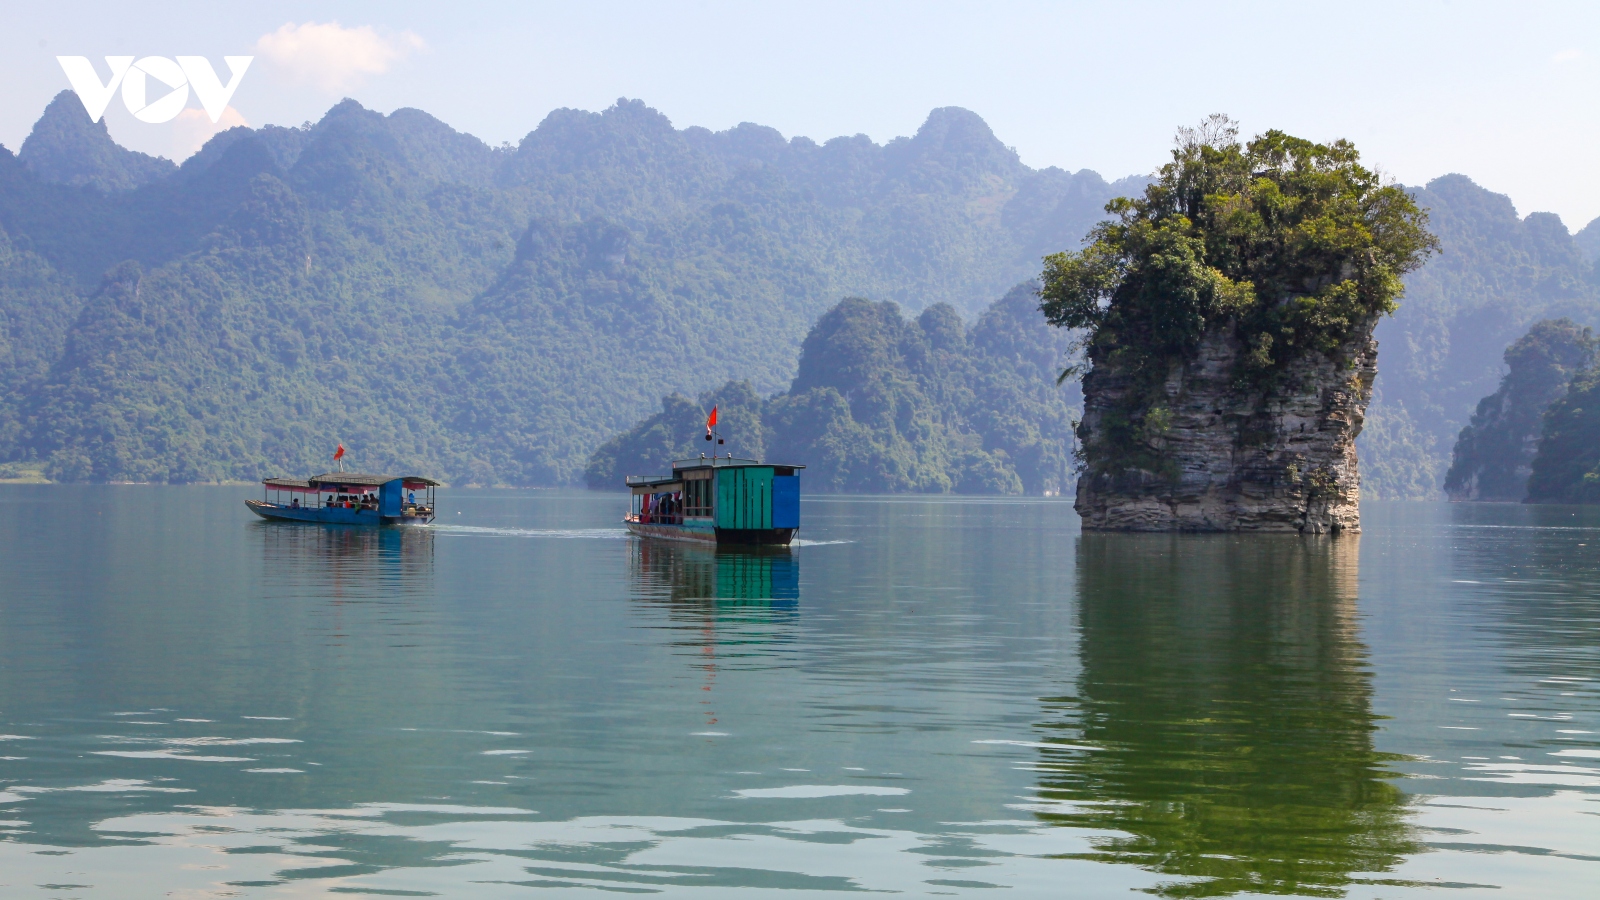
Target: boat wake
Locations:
point(605, 534)
point(802, 542)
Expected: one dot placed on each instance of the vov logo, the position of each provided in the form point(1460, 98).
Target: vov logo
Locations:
point(134, 79)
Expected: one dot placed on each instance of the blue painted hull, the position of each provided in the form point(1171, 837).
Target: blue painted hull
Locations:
point(704, 532)
point(330, 515)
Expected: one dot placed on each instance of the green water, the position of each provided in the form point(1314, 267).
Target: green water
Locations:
point(927, 697)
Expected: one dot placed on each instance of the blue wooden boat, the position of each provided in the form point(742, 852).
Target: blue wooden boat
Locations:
point(348, 498)
point(718, 501)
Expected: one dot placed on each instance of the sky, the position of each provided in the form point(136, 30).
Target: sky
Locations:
point(1505, 93)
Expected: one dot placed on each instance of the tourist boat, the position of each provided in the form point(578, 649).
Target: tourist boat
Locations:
point(718, 500)
point(348, 498)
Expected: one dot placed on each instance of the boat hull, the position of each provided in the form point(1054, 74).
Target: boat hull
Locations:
point(708, 535)
point(329, 515)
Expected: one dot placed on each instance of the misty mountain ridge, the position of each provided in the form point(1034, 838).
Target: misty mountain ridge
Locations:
point(489, 314)
point(493, 315)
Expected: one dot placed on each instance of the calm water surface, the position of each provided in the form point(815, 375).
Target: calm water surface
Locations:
point(929, 698)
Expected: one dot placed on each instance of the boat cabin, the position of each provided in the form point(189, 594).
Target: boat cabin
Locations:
point(721, 500)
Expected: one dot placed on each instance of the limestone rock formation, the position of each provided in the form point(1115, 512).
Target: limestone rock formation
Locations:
point(1233, 458)
point(1227, 321)
point(1494, 454)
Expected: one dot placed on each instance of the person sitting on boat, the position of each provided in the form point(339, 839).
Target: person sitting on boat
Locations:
point(295, 502)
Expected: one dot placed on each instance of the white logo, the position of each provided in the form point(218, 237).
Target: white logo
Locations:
point(134, 78)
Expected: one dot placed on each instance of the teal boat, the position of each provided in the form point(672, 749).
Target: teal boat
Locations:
point(348, 498)
point(718, 500)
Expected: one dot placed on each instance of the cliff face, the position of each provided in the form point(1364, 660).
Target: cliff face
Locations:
point(1229, 459)
point(1494, 454)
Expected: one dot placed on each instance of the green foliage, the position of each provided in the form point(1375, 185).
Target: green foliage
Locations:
point(1497, 275)
point(1567, 467)
point(1293, 245)
point(65, 147)
point(678, 432)
point(492, 315)
point(883, 404)
point(486, 315)
point(1493, 455)
point(36, 307)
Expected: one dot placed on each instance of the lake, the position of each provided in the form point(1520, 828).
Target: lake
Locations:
point(930, 697)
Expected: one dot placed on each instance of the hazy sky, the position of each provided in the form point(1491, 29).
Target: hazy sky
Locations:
point(1506, 93)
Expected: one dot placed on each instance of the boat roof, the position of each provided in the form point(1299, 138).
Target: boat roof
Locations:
point(704, 462)
point(725, 462)
point(350, 479)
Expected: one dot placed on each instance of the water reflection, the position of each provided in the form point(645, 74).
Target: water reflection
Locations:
point(1532, 576)
point(345, 562)
point(728, 609)
point(688, 577)
point(1222, 727)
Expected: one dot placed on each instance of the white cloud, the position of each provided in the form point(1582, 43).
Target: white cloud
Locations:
point(332, 56)
point(1566, 56)
point(192, 128)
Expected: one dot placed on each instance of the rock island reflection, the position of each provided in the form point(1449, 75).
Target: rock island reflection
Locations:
point(1222, 725)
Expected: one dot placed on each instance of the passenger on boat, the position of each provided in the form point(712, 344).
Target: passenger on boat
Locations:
point(295, 502)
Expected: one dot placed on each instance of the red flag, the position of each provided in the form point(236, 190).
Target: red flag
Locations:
point(339, 453)
point(712, 421)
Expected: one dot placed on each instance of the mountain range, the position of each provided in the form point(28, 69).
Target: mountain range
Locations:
point(495, 315)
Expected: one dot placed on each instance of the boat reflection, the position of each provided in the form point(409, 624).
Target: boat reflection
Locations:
point(728, 608)
point(347, 563)
point(691, 578)
point(1222, 726)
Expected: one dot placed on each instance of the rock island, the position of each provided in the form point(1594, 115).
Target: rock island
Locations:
point(1226, 321)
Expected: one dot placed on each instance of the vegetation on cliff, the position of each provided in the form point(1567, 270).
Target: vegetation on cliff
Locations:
point(1292, 246)
point(1494, 454)
point(885, 404)
point(1567, 467)
point(1498, 273)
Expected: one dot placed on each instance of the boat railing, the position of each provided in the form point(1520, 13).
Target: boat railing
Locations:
point(632, 480)
point(693, 462)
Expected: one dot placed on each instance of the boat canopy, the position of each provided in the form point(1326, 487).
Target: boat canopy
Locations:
point(339, 481)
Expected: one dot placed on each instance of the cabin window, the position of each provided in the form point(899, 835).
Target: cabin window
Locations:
point(697, 497)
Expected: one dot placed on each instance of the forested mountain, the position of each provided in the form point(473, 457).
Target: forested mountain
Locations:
point(1494, 454)
point(885, 404)
point(66, 148)
point(490, 315)
point(1441, 353)
point(1567, 467)
point(493, 315)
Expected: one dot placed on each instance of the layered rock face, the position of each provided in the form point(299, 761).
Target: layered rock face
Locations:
point(1281, 459)
point(1494, 454)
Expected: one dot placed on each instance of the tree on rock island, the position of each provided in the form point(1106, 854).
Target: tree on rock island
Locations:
point(1227, 321)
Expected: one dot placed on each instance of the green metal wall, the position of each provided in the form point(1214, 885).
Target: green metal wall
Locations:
point(744, 497)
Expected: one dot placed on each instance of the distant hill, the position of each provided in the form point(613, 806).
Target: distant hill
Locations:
point(1441, 353)
point(885, 404)
point(1567, 466)
point(487, 314)
point(1494, 453)
point(65, 147)
point(494, 315)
